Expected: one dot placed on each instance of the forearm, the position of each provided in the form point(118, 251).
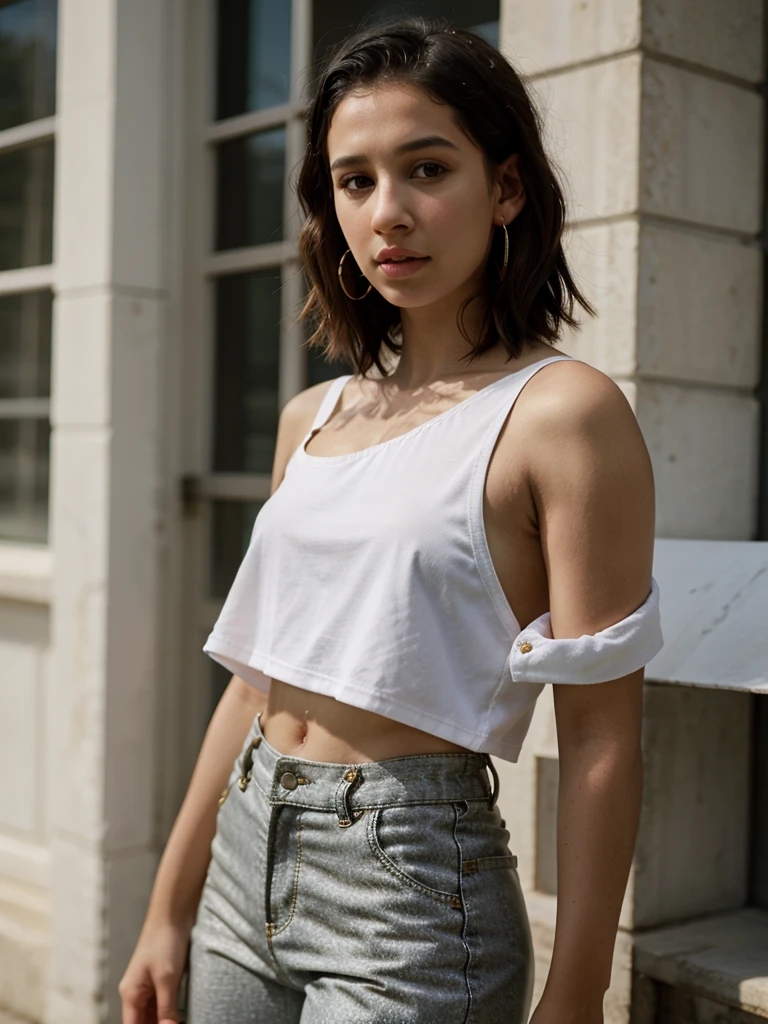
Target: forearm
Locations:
point(181, 872)
point(598, 812)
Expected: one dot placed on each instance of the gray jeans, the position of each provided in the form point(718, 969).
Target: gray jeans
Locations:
point(360, 894)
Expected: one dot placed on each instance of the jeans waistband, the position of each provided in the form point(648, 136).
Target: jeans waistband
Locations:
point(354, 787)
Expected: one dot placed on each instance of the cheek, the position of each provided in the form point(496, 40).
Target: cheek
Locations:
point(460, 227)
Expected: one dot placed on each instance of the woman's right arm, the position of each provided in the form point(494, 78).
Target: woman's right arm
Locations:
point(149, 987)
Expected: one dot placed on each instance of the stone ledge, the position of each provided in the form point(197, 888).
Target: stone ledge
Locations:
point(723, 958)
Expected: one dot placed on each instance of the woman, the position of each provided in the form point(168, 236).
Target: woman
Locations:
point(358, 869)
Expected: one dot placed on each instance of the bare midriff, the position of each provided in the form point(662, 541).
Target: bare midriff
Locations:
point(300, 723)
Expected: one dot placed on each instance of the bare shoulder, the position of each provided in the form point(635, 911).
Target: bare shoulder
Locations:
point(296, 418)
point(573, 417)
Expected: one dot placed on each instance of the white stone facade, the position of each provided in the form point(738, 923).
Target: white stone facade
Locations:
point(655, 115)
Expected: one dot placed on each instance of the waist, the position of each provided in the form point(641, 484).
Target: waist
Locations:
point(411, 779)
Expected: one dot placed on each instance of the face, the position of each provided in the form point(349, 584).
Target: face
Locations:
point(406, 176)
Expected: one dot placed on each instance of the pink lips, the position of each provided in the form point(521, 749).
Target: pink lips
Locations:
point(404, 268)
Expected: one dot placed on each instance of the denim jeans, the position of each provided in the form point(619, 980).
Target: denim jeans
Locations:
point(374, 893)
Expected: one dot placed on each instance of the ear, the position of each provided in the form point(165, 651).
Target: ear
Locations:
point(510, 194)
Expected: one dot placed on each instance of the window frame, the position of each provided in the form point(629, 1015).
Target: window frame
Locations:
point(17, 282)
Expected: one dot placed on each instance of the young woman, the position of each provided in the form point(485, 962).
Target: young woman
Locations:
point(356, 868)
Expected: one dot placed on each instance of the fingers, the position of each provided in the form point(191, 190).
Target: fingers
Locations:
point(166, 994)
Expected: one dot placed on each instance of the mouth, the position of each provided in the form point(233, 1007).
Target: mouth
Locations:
point(403, 266)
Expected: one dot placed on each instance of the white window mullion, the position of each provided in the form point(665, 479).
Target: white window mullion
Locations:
point(27, 279)
point(27, 134)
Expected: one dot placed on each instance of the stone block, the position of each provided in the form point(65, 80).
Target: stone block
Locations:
point(80, 500)
point(75, 984)
point(82, 359)
point(699, 305)
point(24, 950)
point(20, 742)
point(725, 37)
point(604, 262)
point(544, 36)
point(86, 53)
point(701, 149)
point(691, 853)
point(83, 219)
point(703, 445)
point(592, 135)
point(723, 958)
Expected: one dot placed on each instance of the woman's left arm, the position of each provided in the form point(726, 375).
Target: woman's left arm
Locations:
point(592, 484)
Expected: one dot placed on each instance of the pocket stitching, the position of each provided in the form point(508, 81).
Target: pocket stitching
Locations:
point(439, 895)
point(490, 863)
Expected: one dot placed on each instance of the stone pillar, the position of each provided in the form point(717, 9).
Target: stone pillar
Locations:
point(654, 115)
point(107, 504)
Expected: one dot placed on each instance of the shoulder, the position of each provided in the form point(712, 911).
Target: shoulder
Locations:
point(577, 423)
point(294, 423)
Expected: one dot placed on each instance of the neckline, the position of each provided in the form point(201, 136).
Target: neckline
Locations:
point(362, 452)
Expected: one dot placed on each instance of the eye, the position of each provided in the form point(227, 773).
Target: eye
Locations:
point(346, 183)
point(439, 167)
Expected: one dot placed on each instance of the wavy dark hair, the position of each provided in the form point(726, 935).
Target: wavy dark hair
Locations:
point(460, 68)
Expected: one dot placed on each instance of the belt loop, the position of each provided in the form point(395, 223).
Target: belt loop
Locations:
point(495, 774)
point(351, 779)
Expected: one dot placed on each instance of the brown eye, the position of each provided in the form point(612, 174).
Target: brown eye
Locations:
point(436, 167)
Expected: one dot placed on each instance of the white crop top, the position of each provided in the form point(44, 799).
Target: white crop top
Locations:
point(368, 577)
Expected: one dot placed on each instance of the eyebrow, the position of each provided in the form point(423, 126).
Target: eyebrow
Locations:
point(405, 147)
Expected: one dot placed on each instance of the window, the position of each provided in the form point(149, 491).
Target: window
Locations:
point(27, 130)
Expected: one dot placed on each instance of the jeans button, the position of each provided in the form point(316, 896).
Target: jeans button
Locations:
point(289, 781)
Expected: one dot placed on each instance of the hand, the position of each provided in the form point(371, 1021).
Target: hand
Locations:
point(149, 989)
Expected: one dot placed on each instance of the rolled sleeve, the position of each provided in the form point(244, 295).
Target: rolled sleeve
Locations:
point(613, 652)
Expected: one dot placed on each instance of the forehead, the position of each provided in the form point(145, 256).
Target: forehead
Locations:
point(374, 119)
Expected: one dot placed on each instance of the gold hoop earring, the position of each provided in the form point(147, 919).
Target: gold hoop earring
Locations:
point(506, 251)
point(355, 298)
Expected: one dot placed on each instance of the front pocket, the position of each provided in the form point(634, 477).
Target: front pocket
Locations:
point(417, 847)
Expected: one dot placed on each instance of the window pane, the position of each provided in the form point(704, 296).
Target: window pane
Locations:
point(24, 448)
point(254, 55)
point(25, 345)
point(250, 190)
point(231, 526)
point(26, 206)
point(333, 19)
point(246, 371)
point(27, 61)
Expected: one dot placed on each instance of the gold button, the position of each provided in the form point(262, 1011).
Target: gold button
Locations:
point(289, 781)
point(351, 775)
point(525, 647)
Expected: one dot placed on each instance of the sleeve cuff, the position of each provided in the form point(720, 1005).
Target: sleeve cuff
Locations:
point(611, 653)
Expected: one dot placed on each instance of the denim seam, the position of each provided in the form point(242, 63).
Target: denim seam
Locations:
point(439, 895)
point(295, 893)
point(464, 912)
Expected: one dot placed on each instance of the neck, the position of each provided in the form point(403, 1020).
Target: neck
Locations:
point(433, 345)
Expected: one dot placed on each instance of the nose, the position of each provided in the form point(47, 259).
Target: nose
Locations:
point(389, 210)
